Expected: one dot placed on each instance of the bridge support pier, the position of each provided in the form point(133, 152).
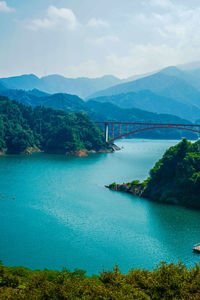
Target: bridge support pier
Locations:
point(106, 132)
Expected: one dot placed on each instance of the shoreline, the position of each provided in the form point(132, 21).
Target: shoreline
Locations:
point(134, 188)
point(139, 190)
point(78, 153)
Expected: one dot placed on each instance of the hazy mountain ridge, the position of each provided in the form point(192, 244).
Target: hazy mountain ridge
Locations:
point(149, 101)
point(180, 89)
point(70, 102)
point(24, 82)
point(67, 102)
point(2, 86)
point(157, 82)
point(110, 111)
point(153, 82)
point(59, 84)
point(170, 82)
point(168, 91)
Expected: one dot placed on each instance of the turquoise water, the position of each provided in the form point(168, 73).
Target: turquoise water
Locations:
point(62, 215)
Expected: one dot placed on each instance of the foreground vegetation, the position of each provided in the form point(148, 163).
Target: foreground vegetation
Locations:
point(174, 179)
point(55, 131)
point(167, 281)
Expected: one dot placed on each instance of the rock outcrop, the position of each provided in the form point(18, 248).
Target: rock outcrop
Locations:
point(135, 188)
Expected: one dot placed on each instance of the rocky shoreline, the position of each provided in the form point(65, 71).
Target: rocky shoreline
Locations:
point(135, 188)
point(84, 152)
point(78, 153)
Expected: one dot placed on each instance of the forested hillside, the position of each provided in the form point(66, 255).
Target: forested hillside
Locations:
point(174, 179)
point(50, 130)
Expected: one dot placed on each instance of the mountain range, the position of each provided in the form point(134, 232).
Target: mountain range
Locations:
point(170, 90)
point(99, 111)
point(170, 78)
point(58, 84)
point(169, 94)
point(147, 100)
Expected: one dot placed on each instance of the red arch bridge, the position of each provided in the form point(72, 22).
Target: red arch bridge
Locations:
point(118, 130)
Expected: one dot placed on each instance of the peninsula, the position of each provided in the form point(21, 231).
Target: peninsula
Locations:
point(174, 179)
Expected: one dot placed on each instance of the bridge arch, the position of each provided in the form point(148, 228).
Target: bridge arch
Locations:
point(151, 128)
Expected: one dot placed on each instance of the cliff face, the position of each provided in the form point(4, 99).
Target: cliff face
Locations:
point(175, 178)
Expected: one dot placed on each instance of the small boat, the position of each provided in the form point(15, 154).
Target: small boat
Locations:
point(196, 248)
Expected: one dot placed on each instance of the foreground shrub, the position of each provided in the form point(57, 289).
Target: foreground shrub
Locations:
point(166, 281)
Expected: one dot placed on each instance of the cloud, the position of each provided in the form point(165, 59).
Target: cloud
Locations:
point(135, 37)
point(102, 40)
point(162, 37)
point(97, 23)
point(5, 8)
point(142, 59)
point(88, 68)
point(164, 4)
point(54, 17)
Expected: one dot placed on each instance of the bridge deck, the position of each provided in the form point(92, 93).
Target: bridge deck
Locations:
point(147, 123)
point(127, 128)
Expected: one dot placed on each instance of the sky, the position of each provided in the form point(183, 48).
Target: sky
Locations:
point(92, 38)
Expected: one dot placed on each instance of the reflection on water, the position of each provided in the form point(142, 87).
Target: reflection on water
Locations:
point(63, 215)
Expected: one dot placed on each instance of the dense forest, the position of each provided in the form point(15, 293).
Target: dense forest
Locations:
point(175, 178)
point(166, 281)
point(48, 129)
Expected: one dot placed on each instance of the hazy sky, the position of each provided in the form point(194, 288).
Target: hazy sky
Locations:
point(95, 37)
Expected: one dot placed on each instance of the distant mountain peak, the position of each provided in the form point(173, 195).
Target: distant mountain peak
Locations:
point(28, 76)
point(171, 71)
point(56, 83)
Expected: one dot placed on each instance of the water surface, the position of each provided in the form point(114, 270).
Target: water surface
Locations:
point(62, 215)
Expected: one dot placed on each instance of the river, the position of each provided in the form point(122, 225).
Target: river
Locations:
point(55, 212)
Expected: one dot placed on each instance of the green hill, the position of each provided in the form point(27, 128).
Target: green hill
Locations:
point(175, 178)
point(34, 98)
point(56, 131)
